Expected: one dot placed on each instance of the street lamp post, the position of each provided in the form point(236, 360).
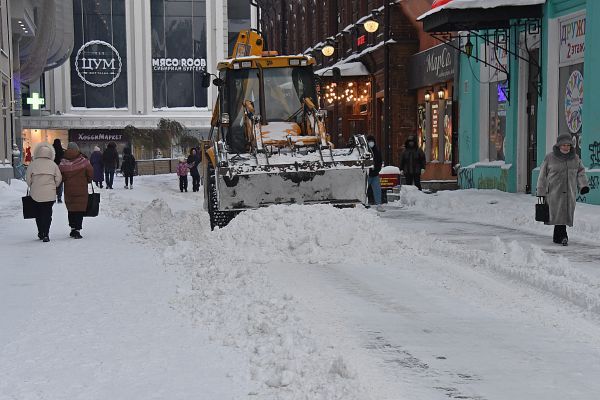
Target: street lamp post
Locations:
point(386, 90)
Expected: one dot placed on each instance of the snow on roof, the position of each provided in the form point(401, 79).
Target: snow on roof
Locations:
point(466, 4)
point(355, 68)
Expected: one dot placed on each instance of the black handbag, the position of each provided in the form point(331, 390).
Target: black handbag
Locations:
point(28, 206)
point(542, 211)
point(93, 204)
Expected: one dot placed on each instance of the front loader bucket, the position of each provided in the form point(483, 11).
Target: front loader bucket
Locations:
point(338, 186)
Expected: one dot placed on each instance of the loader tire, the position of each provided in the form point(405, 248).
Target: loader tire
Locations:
point(217, 218)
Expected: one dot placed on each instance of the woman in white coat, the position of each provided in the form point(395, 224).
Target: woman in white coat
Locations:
point(561, 175)
point(43, 177)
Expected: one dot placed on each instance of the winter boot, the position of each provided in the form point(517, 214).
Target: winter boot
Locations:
point(126, 187)
point(565, 242)
point(46, 239)
point(75, 234)
point(40, 235)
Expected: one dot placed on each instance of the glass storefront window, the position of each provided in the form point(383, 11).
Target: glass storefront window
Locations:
point(178, 53)
point(448, 131)
point(238, 18)
point(570, 102)
point(497, 132)
point(435, 131)
point(99, 58)
point(32, 137)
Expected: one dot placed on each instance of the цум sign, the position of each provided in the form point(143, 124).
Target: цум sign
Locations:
point(178, 64)
point(98, 63)
point(432, 66)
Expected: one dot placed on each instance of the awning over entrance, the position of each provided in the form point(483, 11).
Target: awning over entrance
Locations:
point(355, 68)
point(463, 15)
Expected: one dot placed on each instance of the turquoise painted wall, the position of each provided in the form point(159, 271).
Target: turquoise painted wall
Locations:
point(472, 175)
point(468, 141)
point(590, 153)
point(469, 130)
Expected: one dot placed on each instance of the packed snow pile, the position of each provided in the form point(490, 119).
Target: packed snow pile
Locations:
point(228, 293)
point(315, 234)
point(496, 207)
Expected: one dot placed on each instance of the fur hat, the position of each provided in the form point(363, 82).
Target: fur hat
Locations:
point(72, 146)
point(565, 138)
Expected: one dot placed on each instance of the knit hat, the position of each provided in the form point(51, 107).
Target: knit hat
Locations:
point(96, 148)
point(565, 138)
point(72, 146)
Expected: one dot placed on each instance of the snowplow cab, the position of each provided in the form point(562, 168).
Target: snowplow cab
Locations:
point(269, 143)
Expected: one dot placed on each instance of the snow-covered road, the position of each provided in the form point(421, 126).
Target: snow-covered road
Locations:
point(440, 323)
point(453, 295)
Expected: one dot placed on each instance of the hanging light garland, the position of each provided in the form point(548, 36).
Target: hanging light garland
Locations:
point(349, 92)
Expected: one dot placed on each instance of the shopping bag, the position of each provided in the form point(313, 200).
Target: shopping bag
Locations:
point(542, 211)
point(93, 204)
point(28, 206)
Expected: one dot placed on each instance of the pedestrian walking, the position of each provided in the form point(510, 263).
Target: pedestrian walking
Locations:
point(412, 162)
point(373, 179)
point(128, 167)
point(110, 159)
point(59, 153)
point(43, 178)
point(98, 165)
point(77, 173)
point(182, 172)
point(193, 161)
point(562, 174)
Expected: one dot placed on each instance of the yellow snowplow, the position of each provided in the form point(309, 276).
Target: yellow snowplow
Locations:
point(268, 142)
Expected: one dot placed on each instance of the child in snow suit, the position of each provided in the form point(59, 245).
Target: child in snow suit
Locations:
point(182, 171)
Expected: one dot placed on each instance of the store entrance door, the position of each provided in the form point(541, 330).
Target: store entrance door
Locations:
point(532, 114)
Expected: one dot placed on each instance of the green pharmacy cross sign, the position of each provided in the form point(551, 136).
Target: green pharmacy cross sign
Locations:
point(35, 101)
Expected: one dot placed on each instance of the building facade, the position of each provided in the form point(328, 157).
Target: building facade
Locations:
point(375, 94)
point(135, 62)
point(35, 36)
point(6, 97)
point(510, 120)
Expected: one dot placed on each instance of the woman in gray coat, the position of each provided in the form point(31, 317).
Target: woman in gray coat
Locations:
point(43, 177)
point(562, 173)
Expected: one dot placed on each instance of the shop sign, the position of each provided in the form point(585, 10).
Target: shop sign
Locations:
point(96, 136)
point(432, 66)
point(98, 63)
point(388, 181)
point(572, 40)
point(178, 64)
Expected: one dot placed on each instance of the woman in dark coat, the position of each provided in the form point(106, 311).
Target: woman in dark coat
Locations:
point(98, 165)
point(128, 167)
point(412, 162)
point(77, 173)
point(193, 161)
point(561, 175)
point(59, 153)
point(110, 158)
